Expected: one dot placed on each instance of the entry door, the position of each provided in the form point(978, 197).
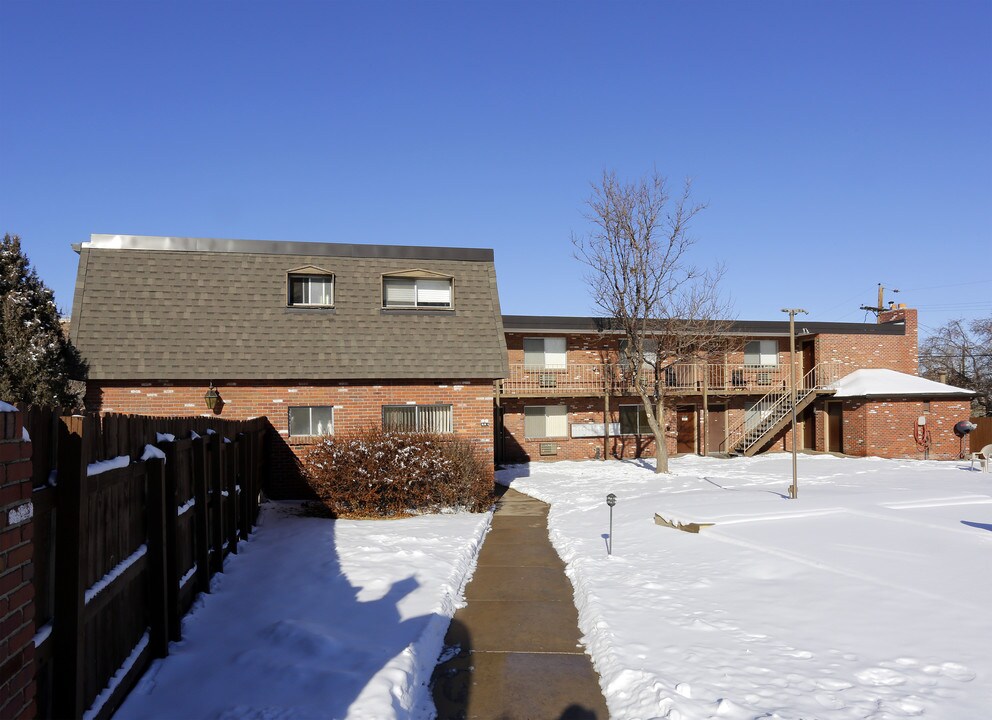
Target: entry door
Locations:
point(835, 427)
point(809, 428)
point(686, 429)
point(807, 357)
point(717, 421)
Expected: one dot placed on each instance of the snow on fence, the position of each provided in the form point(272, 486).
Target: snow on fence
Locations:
point(93, 583)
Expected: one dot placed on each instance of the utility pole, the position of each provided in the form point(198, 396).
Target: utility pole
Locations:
point(794, 490)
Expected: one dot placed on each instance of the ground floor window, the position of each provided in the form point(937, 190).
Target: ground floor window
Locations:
point(634, 421)
point(545, 421)
point(311, 420)
point(417, 418)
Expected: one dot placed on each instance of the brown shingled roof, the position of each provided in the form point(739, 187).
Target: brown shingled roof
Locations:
point(186, 308)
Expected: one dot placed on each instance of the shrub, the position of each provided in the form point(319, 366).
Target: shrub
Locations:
point(378, 473)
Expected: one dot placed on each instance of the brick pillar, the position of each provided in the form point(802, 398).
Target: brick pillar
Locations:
point(17, 684)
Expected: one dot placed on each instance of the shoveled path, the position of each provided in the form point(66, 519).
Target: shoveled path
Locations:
point(515, 645)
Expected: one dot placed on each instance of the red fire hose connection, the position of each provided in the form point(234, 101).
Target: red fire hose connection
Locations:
point(921, 434)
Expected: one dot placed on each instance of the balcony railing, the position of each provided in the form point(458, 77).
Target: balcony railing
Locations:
point(617, 379)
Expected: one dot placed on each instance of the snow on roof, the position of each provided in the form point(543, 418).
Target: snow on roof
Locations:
point(862, 383)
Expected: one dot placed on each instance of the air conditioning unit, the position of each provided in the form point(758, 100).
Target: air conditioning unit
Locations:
point(764, 378)
point(549, 449)
point(548, 380)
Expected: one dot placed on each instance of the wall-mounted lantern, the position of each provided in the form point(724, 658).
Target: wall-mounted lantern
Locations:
point(212, 397)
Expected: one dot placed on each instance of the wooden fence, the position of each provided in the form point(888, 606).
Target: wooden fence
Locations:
point(982, 435)
point(125, 538)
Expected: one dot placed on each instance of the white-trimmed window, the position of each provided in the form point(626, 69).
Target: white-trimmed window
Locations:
point(761, 353)
point(311, 290)
point(416, 292)
point(545, 353)
point(417, 418)
point(545, 421)
point(650, 351)
point(311, 420)
point(634, 421)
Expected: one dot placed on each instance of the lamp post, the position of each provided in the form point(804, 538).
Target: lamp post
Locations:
point(794, 490)
point(611, 500)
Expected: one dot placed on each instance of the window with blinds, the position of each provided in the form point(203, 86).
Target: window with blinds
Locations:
point(545, 353)
point(417, 418)
point(416, 292)
point(761, 353)
point(545, 421)
point(311, 290)
point(312, 420)
point(634, 421)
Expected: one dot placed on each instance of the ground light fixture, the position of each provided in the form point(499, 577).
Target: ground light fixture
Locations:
point(212, 397)
point(611, 500)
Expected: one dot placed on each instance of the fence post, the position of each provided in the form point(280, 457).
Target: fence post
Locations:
point(70, 563)
point(244, 497)
point(157, 552)
point(233, 474)
point(217, 472)
point(201, 508)
point(172, 575)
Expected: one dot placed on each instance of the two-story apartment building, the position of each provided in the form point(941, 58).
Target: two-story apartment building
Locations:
point(318, 337)
point(566, 396)
point(323, 338)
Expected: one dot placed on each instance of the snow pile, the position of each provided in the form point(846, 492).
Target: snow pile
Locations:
point(865, 598)
point(102, 466)
point(318, 618)
point(152, 452)
point(164, 437)
point(7, 407)
point(20, 513)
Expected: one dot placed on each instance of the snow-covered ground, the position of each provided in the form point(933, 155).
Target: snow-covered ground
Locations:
point(868, 597)
point(318, 619)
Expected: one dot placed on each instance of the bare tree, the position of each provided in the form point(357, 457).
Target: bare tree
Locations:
point(961, 355)
point(666, 309)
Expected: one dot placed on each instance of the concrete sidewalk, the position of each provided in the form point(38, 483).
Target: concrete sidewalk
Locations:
point(515, 646)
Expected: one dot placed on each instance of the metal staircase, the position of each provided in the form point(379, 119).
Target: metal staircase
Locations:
point(774, 411)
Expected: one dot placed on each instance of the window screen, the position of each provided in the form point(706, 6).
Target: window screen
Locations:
point(634, 421)
point(417, 418)
point(416, 292)
point(545, 353)
point(311, 289)
point(312, 420)
point(761, 353)
point(545, 421)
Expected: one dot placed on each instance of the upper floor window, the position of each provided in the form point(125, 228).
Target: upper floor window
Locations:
point(311, 287)
point(417, 289)
point(761, 353)
point(545, 353)
point(650, 346)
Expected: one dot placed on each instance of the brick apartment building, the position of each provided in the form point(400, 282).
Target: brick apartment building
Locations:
point(565, 396)
point(327, 338)
point(318, 337)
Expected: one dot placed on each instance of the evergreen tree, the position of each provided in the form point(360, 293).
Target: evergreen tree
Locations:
point(38, 364)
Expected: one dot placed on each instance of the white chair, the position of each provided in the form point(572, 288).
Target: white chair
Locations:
point(982, 456)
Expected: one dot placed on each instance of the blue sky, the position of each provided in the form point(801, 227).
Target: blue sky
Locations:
point(838, 145)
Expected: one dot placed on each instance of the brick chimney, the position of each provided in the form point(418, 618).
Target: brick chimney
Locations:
point(902, 314)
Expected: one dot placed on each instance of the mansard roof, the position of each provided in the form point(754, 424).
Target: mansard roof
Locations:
point(173, 308)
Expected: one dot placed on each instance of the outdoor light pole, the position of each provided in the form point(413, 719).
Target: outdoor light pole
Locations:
point(794, 490)
point(611, 500)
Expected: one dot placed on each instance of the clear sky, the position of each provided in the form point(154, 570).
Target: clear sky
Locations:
point(838, 145)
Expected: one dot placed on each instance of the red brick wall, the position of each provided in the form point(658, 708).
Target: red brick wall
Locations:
point(580, 410)
point(895, 352)
point(355, 406)
point(17, 686)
